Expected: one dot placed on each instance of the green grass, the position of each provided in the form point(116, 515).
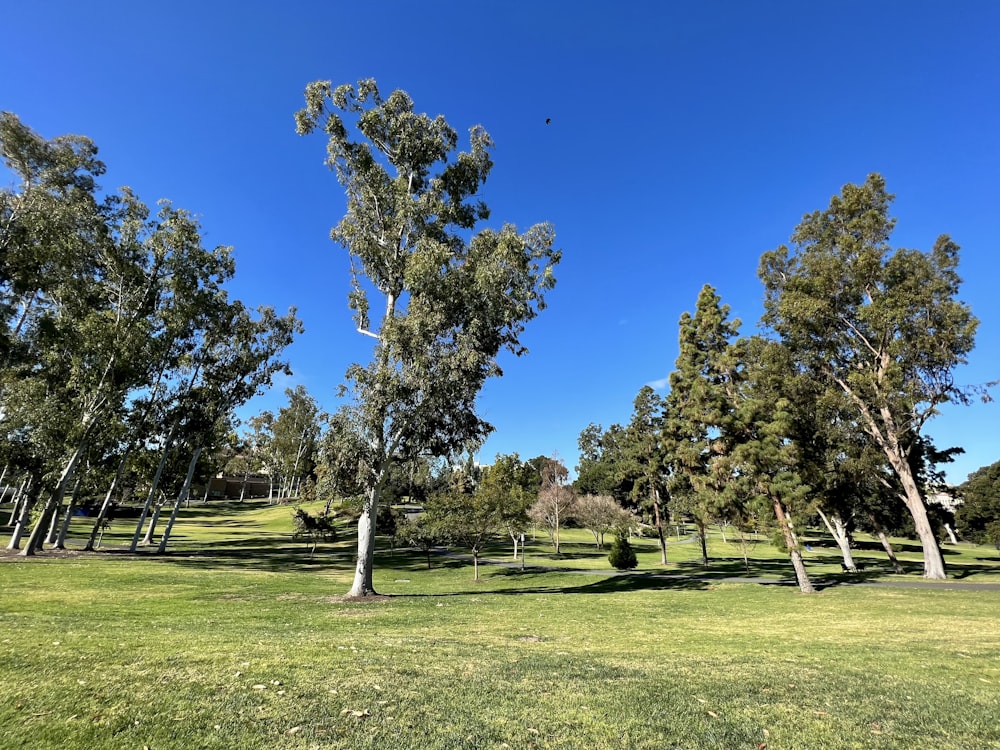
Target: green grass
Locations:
point(239, 639)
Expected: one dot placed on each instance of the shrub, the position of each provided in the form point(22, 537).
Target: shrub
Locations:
point(622, 556)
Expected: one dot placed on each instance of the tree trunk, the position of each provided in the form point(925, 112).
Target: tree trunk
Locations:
point(722, 530)
point(103, 512)
point(805, 586)
point(243, 484)
point(28, 501)
point(659, 530)
point(363, 585)
point(933, 559)
point(55, 500)
point(153, 488)
point(702, 534)
point(839, 532)
point(475, 564)
point(185, 491)
point(148, 538)
point(951, 533)
point(64, 528)
point(743, 547)
point(18, 499)
point(889, 551)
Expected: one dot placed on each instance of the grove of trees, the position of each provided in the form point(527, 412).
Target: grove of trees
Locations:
point(123, 360)
point(122, 357)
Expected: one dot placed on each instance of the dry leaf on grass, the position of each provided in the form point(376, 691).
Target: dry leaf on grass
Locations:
point(357, 714)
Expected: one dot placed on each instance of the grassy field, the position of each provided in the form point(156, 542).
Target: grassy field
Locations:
point(239, 640)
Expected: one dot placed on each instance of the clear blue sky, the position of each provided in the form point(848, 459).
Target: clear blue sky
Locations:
point(686, 139)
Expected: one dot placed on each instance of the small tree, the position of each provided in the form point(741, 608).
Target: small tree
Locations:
point(553, 507)
point(421, 532)
point(601, 514)
point(313, 528)
point(622, 556)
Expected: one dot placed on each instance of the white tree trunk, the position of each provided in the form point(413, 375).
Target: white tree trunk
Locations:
point(64, 529)
point(151, 530)
point(103, 512)
point(153, 488)
point(27, 502)
point(951, 533)
point(839, 532)
point(363, 585)
point(55, 500)
point(798, 565)
point(185, 490)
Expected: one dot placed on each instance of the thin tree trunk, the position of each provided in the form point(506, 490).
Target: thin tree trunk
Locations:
point(743, 547)
point(951, 533)
point(152, 490)
point(53, 532)
point(103, 512)
point(886, 545)
point(185, 491)
point(659, 528)
point(18, 499)
point(243, 484)
point(27, 502)
point(702, 534)
point(3, 488)
point(55, 500)
point(839, 532)
point(722, 530)
point(64, 529)
point(148, 538)
point(805, 585)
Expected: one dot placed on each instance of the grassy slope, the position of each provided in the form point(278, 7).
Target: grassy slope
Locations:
point(238, 640)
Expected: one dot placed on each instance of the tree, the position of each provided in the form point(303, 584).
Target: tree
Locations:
point(551, 510)
point(601, 514)
point(451, 298)
point(698, 429)
point(762, 460)
point(883, 325)
point(600, 471)
point(508, 484)
point(622, 556)
point(294, 438)
point(979, 512)
point(642, 461)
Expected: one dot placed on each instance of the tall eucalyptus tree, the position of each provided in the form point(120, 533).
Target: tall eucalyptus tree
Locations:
point(447, 298)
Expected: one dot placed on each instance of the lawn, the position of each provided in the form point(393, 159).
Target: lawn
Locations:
point(239, 639)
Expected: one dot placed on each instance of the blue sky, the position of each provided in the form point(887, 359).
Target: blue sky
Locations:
point(686, 139)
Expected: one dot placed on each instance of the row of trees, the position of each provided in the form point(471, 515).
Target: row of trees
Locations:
point(822, 415)
point(122, 357)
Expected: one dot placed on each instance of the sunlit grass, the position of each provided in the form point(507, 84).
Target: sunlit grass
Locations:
point(238, 639)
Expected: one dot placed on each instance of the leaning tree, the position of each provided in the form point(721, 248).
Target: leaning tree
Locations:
point(882, 325)
point(447, 298)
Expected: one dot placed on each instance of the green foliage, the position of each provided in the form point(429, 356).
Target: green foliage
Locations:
point(978, 516)
point(883, 327)
point(622, 556)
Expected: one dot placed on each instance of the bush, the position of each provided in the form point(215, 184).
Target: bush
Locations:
point(622, 556)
